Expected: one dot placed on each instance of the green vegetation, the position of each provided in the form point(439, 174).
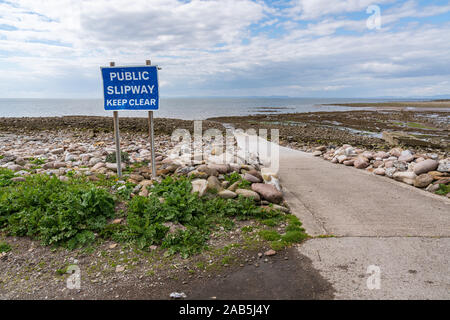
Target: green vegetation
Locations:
point(37, 161)
point(294, 234)
point(5, 177)
point(443, 189)
point(56, 212)
point(236, 177)
point(269, 235)
point(4, 247)
point(195, 216)
point(78, 212)
point(124, 156)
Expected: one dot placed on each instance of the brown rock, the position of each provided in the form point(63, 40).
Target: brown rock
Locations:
point(268, 192)
point(423, 180)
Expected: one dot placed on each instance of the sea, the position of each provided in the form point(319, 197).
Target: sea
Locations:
point(178, 108)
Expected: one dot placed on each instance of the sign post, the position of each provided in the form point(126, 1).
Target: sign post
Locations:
point(131, 88)
point(152, 140)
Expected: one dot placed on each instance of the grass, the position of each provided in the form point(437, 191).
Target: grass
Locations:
point(236, 177)
point(4, 247)
point(443, 189)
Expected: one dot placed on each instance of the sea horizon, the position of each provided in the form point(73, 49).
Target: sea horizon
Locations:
point(188, 108)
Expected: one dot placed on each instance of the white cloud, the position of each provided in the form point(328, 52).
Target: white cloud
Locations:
point(59, 45)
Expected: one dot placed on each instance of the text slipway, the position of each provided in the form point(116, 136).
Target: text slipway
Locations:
point(139, 89)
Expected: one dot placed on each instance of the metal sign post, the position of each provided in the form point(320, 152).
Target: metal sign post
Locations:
point(152, 140)
point(131, 88)
point(117, 137)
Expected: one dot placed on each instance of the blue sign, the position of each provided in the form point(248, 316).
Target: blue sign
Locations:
point(130, 88)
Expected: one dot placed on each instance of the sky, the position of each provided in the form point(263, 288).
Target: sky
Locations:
point(297, 48)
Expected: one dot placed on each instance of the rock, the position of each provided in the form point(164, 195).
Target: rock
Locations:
point(198, 174)
point(444, 166)
point(58, 165)
point(425, 166)
point(406, 177)
point(227, 194)
point(423, 180)
point(270, 253)
point(225, 184)
point(350, 152)
point(381, 155)
point(69, 157)
point(145, 183)
point(368, 155)
point(93, 161)
point(220, 168)
point(144, 192)
point(113, 166)
point(20, 161)
point(281, 208)
point(57, 151)
point(48, 165)
point(361, 162)
point(400, 165)
point(39, 152)
point(349, 162)
point(317, 153)
point(199, 186)
point(436, 174)
point(390, 171)
point(432, 187)
point(268, 192)
point(389, 164)
point(251, 178)
point(174, 227)
point(214, 184)
point(406, 156)
point(321, 148)
point(378, 164)
point(379, 171)
point(18, 179)
point(208, 170)
point(341, 158)
point(136, 177)
point(15, 167)
point(98, 166)
point(396, 152)
point(442, 181)
point(120, 268)
point(248, 194)
point(402, 138)
point(184, 170)
point(234, 186)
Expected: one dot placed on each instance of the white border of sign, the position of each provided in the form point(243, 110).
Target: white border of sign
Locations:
point(137, 66)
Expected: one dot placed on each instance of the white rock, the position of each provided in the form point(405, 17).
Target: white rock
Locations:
point(406, 177)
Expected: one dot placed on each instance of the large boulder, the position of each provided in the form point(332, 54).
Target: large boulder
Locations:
point(220, 168)
point(251, 178)
point(406, 156)
point(444, 166)
point(200, 186)
point(268, 192)
point(425, 166)
point(406, 177)
point(248, 194)
point(423, 180)
point(208, 170)
point(227, 194)
point(214, 184)
point(361, 162)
